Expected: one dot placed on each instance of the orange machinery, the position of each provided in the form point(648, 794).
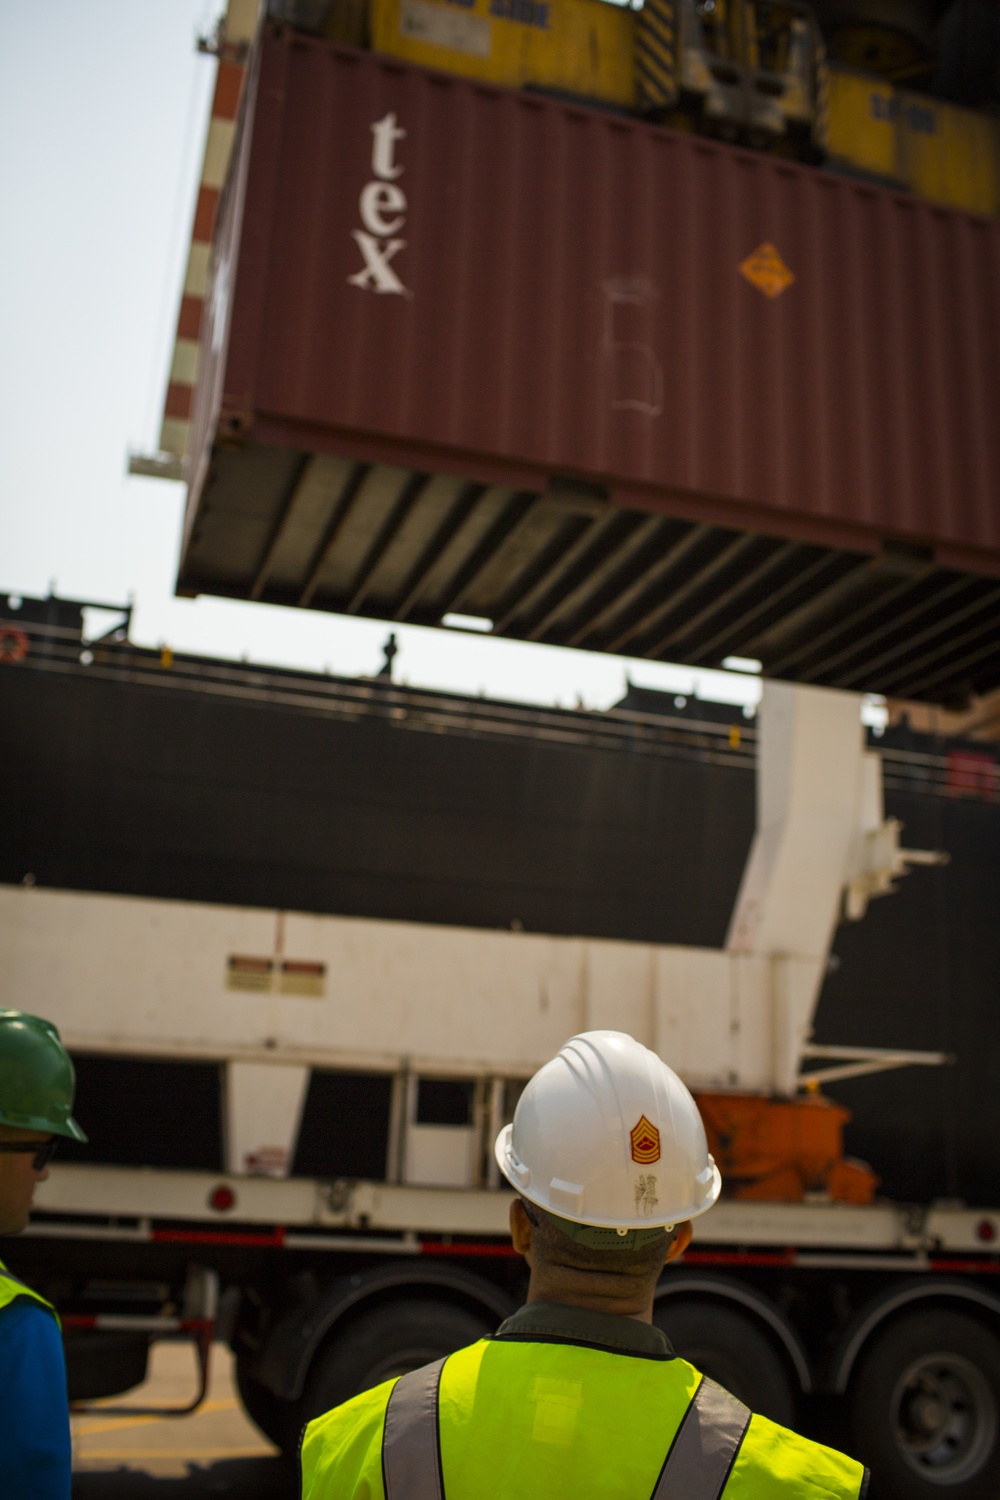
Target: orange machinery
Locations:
point(780, 1150)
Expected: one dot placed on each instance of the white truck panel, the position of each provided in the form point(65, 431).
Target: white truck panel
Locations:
point(139, 1193)
point(810, 804)
point(440, 1155)
point(263, 1110)
point(131, 975)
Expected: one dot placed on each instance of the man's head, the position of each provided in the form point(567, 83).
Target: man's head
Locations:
point(580, 1275)
point(607, 1152)
point(23, 1164)
point(36, 1102)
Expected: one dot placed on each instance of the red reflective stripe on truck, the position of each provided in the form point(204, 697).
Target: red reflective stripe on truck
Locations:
point(980, 1267)
point(739, 1258)
point(274, 1240)
point(435, 1247)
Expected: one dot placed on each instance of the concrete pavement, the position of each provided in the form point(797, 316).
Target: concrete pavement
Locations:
point(215, 1451)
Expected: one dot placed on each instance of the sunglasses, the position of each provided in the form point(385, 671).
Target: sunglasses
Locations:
point(42, 1150)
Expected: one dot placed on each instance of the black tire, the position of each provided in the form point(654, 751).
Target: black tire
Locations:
point(925, 1409)
point(387, 1341)
point(729, 1347)
point(276, 1419)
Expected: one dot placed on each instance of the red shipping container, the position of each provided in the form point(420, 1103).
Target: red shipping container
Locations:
point(603, 383)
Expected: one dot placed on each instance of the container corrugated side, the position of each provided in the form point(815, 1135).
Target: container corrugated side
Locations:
point(564, 292)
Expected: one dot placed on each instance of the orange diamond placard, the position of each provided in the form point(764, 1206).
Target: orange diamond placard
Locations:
point(645, 1140)
point(765, 270)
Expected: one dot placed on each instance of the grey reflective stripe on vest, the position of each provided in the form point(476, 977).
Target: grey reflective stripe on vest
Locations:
point(707, 1442)
point(411, 1447)
point(697, 1466)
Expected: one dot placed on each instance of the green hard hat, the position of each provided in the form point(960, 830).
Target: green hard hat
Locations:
point(36, 1076)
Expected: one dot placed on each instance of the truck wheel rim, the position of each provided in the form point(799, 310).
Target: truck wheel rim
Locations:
point(944, 1418)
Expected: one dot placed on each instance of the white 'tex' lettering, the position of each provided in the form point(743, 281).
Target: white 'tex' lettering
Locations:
point(376, 272)
point(382, 206)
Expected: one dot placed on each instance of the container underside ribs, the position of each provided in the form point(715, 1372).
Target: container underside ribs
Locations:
point(567, 567)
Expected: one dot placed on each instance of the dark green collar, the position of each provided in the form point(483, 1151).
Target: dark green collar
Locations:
point(555, 1323)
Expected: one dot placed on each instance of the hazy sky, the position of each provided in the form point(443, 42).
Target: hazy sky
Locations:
point(103, 106)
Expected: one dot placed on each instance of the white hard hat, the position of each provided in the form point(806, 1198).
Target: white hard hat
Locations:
point(607, 1135)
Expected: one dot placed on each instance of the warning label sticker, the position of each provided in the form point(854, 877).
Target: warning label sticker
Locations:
point(765, 270)
point(293, 976)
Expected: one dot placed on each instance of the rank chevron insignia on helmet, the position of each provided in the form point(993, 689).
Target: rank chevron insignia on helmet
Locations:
point(645, 1140)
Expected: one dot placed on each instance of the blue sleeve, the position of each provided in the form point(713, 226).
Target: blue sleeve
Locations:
point(35, 1449)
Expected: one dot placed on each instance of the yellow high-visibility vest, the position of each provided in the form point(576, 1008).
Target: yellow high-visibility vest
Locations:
point(506, 1419)
point(11, 1289)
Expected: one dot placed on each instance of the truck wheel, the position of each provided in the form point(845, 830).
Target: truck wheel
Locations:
point(388, 1341)
point(730, 1348)
point(275, 1418)
point(926, 1409)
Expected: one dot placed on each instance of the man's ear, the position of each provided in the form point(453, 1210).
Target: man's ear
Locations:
point(520, 1229)
point(682, 1241)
